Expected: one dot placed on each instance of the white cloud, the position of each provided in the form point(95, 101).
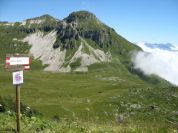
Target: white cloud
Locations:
point(163, 63)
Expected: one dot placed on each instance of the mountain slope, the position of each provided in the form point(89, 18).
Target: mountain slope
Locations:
point(78, 43)
point(109, 90)
point(71, 44)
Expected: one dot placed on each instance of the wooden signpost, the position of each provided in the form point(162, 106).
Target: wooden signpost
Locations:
point(17, 63)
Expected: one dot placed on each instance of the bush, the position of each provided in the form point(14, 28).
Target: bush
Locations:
point(75, 64)
point(8, 104)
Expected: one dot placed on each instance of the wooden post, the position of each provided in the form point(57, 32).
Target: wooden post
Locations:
point(17, 63)
point(18, 107)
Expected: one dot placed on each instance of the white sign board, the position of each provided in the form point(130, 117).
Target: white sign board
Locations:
point(17, 77)
point(17, 60)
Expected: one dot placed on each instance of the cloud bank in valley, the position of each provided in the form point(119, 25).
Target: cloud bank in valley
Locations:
point(161, 62)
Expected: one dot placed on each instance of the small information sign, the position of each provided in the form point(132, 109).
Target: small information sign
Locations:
point(17, 78)
point(17, 60)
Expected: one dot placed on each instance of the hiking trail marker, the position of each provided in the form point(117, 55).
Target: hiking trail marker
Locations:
point(17, 77)
point(17, 63)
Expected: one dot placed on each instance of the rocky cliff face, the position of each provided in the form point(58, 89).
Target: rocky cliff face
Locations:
point(56, 58)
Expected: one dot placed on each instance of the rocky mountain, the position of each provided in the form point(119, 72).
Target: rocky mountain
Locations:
point(161, 46)
point(112, 91)
point(71, 44)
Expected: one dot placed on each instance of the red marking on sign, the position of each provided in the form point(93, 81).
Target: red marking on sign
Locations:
point(26, 67)
point(7, 60)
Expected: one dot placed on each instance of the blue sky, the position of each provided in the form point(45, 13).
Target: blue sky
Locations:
point(154, 21)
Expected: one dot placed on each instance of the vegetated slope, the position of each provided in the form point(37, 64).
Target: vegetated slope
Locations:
point(110, 90)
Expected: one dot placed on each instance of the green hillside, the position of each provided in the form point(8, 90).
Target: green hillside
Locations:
point(110, 97)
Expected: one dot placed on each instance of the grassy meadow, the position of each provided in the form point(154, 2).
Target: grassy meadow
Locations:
point(108, 99)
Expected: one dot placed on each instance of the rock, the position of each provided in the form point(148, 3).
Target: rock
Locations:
point(120, 118)
point(2, 109)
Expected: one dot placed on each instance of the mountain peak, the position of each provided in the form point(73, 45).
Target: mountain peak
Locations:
point(47, 16)
point(80, 15)
point(44, 17)
point(39, 20)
